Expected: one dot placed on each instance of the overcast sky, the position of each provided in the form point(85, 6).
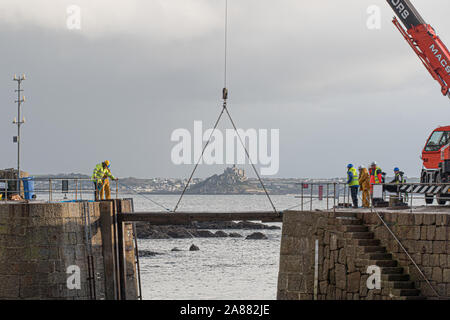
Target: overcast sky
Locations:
point(137, 70)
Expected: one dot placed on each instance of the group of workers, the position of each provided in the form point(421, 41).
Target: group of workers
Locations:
point(100, 177)
point(365, 180)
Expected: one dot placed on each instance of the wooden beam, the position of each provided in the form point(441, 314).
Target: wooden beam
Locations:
point(116, 247)
point(183, 218)
point(108, 243)
point(121, 249)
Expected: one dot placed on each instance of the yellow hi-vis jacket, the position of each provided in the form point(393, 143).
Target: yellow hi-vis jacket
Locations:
point(355, 180)
point(100, 173)
point(399, 178)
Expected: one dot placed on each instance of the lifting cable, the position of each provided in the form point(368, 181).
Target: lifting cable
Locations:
point(250, 160)
point(225, 109)
point(199, 159)
point(140, 194)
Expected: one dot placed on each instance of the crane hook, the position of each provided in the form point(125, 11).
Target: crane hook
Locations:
point(224, 93)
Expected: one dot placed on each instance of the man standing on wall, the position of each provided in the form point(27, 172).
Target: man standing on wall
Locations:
point(376, 175)
point(398, 179)
point(101, 182)
point(364, 184)
point(353, 183)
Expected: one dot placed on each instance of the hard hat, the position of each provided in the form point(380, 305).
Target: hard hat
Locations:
point(374, 163)
point(396, 169)
point(349, 166)
point(361, 167)
point(107, 163)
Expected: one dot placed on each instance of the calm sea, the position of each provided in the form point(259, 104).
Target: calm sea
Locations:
point(224, 268)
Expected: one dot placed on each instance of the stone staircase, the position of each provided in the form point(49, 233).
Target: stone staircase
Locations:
point(394, 281)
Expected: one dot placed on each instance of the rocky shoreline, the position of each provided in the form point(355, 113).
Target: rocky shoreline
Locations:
point(201, 230)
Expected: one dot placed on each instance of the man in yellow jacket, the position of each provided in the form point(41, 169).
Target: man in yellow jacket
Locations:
point(352, 181)
point(364, 184)
point(101, 182)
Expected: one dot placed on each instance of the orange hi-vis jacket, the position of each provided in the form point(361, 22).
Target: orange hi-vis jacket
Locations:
point(375, 175)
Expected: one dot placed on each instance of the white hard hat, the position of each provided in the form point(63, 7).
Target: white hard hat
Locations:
point(361, 167)
point(374, 163)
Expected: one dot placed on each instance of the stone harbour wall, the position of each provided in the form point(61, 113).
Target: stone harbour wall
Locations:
point(39, 241)
point(350, 242)
point(426, 237)
point(37, 244)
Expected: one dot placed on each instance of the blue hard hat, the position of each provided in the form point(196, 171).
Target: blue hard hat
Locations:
point(349, 166)
point(396, 169)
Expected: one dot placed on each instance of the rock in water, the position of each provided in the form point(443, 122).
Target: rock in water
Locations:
point(248, 225)
point(194, 248)
point(147, 253)
point(221, 234)
point(204, 234)
point(253, 225)
point(256, 236)
point(235, 235)
point(178, 233)
point(175, 249)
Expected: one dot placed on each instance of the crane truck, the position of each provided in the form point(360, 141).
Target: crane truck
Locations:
point(435, 56)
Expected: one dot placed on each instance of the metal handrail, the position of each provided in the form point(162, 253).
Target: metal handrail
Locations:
point(407, 254)
point(404, 249)
point(79, 190)
point(338, 190)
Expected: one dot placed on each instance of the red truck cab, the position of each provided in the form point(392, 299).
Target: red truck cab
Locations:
point(436, 157)
point(436, 161)
point(436, 149)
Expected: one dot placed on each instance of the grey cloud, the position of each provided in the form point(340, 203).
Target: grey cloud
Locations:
point(338, 92)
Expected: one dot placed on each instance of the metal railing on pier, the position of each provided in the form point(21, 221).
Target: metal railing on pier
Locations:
point(53, 189)
point(326, 194)
point(333, 195)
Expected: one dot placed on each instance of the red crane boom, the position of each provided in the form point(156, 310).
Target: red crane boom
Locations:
point(424, 41)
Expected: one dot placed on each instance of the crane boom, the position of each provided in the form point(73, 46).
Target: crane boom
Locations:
point(424, 41)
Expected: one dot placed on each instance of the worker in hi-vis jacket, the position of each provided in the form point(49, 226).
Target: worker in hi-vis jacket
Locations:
point(353, 183)
point(399, 179)
point(398, 176)
point(376, 175)
point(364, 184)
point(101, 182)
